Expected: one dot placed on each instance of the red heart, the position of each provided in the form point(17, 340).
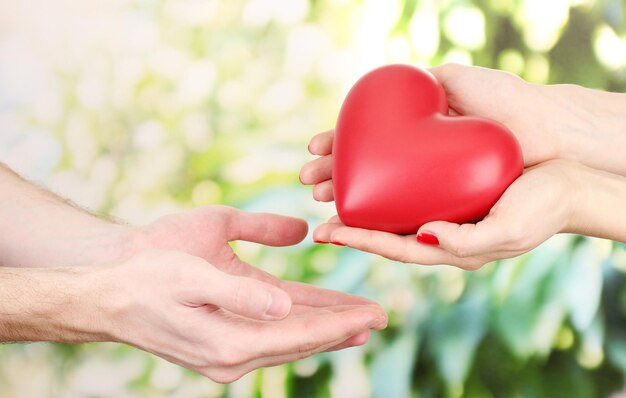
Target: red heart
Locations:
point(399, 159)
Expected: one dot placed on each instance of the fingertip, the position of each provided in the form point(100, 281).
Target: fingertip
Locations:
point(320, 235)
point(303, 176)
point(361, 338)
point(301, 227)
point(358, 340)
point(321, 144)
point(279, 304)
point(440, 71)
point(323, 191)
point(334, 220)
point(384, 322)
point(427, 238)
point(314, 144)
point(337, 236)
point(326, 232)
point(295, 233)
point(382, 319)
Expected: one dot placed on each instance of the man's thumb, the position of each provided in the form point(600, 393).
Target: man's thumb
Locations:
point(246, 296)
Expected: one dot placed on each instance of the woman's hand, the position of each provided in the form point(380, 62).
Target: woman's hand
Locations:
point(505, 98)
point(471, 91)
point(562, 121)
point(550, 121)
point(553, 197)
point(536, 206)
point(189, 312)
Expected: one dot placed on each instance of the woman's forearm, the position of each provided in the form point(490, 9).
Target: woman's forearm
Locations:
point(590, 125)
point(59, 305)
point(598, 208)
point(37, 227)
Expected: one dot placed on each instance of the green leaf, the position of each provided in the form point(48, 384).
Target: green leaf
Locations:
point(352, 268)
point(530, 316)
point(392, 368)
point(583, 280)
point(454, 334)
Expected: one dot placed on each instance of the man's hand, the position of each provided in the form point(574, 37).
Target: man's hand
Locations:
point(176, 302)
point(181, 308)
point(40, 229)
point(205, 232)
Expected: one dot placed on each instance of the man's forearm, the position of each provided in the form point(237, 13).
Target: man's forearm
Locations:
point(60, 305)
point(37, 228)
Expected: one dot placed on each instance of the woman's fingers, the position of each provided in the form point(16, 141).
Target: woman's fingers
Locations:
point(322, 144)
point(316, 171)
point(334, 220)
point(467, 240)
point(404, 248)
point(323, 192)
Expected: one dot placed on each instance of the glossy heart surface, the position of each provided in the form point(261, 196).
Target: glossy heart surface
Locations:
point(399, 159)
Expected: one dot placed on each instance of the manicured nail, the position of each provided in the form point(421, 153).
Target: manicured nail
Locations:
point(319, 241)
point(337, 243)
point(427, 238)
point(279, 305)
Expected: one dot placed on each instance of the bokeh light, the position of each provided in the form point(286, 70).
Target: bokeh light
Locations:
point(143, 108)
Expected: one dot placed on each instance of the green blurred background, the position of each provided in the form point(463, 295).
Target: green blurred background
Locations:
point(138, 108)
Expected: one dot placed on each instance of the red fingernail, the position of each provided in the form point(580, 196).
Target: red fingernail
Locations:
point(320, 241)
point(427, 238)
point(337, 243)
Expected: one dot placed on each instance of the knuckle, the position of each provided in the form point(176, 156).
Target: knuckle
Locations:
point(511, 77)
point(461, 246)
point(241, 296)
point(228, 357)
point(459, 250)
point(223, 376)
point(404, 256)
point(221, 211)
point(318, 192)
point(510, 81)
point(474, 264)
point(307, 345)
point(305, 354)
point(305, 172)
point(450, 67)
point(304, 349)
point(516, 235)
